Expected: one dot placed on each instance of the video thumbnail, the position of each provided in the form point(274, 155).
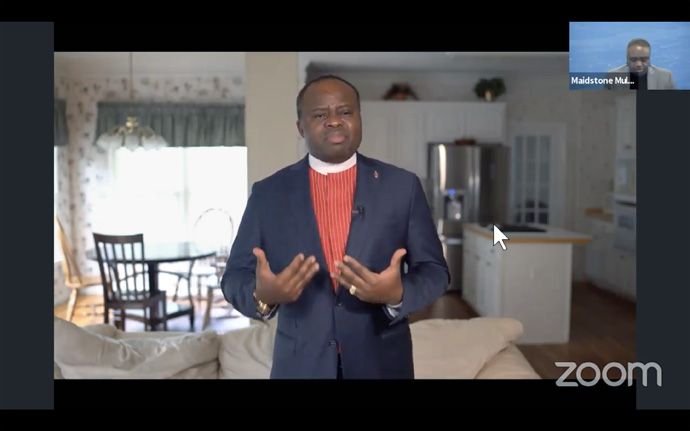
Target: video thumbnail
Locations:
point(629, 56)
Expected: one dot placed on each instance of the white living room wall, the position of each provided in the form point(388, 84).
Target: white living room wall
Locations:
point(588, 117)
point(83, 169)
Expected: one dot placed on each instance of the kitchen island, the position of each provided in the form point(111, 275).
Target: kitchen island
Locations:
point(529, 281)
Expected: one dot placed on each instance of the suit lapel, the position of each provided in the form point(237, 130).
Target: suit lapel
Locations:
point(651, 79)
point(304, 214)
point(365, 198)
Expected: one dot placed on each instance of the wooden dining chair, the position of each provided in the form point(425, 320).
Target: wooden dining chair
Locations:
point(74, 279)
point(127, 292)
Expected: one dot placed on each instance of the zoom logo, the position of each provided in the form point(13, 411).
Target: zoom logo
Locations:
point(627, 373)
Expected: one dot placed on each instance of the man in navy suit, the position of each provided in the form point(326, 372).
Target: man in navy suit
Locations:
point(641, 74)
point(323, 245)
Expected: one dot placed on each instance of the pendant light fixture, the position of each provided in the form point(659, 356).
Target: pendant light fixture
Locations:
point(131, 135)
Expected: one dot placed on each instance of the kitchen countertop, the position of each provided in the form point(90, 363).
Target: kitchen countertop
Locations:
point(599, 213)
point(552, 234)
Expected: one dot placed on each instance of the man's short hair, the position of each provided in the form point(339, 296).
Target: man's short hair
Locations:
point(300, 96)
point(640, 42)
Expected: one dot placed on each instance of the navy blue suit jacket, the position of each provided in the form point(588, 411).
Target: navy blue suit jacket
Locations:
point(279, 218)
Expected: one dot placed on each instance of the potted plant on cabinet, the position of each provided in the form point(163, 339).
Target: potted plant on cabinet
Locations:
point(489, 89)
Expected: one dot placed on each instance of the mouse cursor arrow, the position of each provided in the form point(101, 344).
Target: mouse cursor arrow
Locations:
point(499, 237)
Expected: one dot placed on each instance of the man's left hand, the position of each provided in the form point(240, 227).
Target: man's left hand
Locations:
point(384, 288)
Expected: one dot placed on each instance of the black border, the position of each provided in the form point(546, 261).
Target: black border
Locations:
point(26, 94)
point(456, 394)
point(26, 140)
point(357, 27)
point(663, 251)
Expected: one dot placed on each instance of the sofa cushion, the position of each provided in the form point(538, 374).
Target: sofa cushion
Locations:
point(247, 353)
point(459, 348)
point(509, 363)
point(89, 354)
point(443, 349)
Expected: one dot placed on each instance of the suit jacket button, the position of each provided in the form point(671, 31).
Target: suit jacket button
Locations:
point(332, 343)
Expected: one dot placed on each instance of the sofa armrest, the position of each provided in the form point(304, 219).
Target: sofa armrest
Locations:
point(83, 353)
point(57, 372)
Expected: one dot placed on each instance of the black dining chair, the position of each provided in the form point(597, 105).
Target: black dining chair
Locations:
point(127, 290)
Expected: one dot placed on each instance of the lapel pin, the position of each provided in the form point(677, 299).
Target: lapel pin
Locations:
point(376, 174)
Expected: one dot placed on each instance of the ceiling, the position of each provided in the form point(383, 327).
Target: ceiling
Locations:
point(149, 63)
point(440, 61)
point(213, 63)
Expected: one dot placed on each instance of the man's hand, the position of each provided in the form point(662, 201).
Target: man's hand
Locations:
point(384, 288)
point(286, 286)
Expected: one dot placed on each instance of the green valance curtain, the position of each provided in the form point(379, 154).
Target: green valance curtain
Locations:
point(181, 124)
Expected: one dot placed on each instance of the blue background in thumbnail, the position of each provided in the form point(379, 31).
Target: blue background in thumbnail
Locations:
point(600, 46)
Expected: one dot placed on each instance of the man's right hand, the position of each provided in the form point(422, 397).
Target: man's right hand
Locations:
point(287, 286)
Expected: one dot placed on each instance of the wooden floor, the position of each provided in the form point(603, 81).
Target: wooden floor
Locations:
point(602, 328)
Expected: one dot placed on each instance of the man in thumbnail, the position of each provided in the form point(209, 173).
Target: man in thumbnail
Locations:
point(641, 74)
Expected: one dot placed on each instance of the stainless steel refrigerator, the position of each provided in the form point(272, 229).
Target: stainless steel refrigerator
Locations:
point(466, 184)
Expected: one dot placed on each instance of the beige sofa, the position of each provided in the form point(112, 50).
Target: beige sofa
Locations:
point(479, 348)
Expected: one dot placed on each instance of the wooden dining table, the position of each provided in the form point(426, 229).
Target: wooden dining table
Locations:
point(157, 253)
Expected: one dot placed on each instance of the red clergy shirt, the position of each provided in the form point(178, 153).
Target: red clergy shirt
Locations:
point(332, 196)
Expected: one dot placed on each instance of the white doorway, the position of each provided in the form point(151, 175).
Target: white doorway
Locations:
point(537, 190)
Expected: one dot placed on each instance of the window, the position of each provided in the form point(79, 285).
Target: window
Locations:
point(537, 170)
point(161, 193)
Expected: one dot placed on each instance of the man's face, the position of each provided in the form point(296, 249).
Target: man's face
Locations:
point(330, 122)
point(638, 59)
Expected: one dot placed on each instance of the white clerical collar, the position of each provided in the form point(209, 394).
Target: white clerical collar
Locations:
point(331, 168)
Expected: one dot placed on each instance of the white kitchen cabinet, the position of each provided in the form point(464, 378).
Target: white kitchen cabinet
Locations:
point(626, 131)
point(625, 175)
point(470, 259)
point(598, 250)
point(398, 132)
point(529, 281)
point(606, 266)
point(377, 124)
point(486, 122)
